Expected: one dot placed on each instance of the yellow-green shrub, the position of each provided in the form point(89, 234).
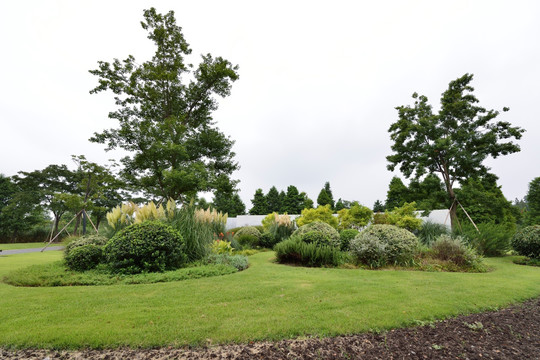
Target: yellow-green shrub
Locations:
point(321, 213)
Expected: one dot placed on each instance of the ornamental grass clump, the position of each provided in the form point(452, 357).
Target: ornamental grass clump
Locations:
point(296, 251)
point(216, 219)
point(456, 250)
point(276, 228)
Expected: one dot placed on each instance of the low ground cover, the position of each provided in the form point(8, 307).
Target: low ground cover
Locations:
point(266, 301)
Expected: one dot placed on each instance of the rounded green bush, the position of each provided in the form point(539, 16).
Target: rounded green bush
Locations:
point(400, 244)
point(150, 246)
point(369, 250)
point(526, 241)
point(86, 240)
point(345, 236)
point(268, 240)
point(327, 232)
point(84, 257)
point(248, 235)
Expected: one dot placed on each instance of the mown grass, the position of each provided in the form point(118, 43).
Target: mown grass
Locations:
point(56, 274)
point(266, 301)
point(33, 245)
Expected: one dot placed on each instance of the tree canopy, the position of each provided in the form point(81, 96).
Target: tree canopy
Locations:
point(164, 109)
point(453, 142)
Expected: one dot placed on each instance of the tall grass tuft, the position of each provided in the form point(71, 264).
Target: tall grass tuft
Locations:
point(198, 235)
point(295, 251)
point(492, 240)
point(429, 232)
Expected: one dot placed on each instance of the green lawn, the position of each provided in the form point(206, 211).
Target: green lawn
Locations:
point(26, 245)
point(266, 301)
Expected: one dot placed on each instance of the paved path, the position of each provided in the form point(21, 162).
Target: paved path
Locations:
point(22, 251)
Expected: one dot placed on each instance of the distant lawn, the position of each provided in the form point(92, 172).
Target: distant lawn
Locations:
point(266, 301)
point(26, 245)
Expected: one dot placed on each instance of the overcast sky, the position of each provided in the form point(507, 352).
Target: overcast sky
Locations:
point(319, 81)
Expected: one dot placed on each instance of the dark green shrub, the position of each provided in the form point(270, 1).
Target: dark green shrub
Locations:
point(84, 257)
point(526, 241)
point(430, 231)
point(400, 244)
point(248, 236)
point(317, 238)
point(455, 250)
point(86, 240)
point(369, 250)
point(492, 240)
point(296, 251)
point(240, 262)
point(345, 237)
point(268, 240)
point(145, 247)
point(327, 231)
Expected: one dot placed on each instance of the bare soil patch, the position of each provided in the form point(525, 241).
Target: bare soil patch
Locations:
point(511, 333)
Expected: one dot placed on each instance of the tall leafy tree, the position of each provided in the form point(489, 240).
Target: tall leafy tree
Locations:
point(453, 142)
point(259, 203)
point(20, 208)
point(339, 205)
point(484, 201)
point(397, 195)
point(325, 196)
point(282, 197)
point(229, 203)
point(164, 113)
point(273, 201)
point(293, 201)
point(429, 194)
point(533, 202)
point(307, 203)
point(53, 186)
point(378, 206)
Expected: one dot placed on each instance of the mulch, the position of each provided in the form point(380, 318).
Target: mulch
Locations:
point(510, 333)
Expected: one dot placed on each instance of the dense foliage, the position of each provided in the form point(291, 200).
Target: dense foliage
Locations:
point(248, 236)
point(404, 217)
point(97, 240)
point(296, 251)
point(369, 250)
point(533, 202)
point(453, 142)
point(401, 244)
point(345, 236)
point(429, 232)
point(321, 214)
point(456, 250)
point(164, 109)
point(327, 233)
point(85, 257)
point(356, 217)
point(145, 247)
point(526, 241)
point(488, 239)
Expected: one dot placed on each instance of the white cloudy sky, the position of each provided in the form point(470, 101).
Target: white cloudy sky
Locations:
point(319, 80)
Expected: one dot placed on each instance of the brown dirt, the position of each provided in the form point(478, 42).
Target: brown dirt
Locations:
point(511, 333)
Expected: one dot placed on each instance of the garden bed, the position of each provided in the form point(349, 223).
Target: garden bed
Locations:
point(510, 333)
